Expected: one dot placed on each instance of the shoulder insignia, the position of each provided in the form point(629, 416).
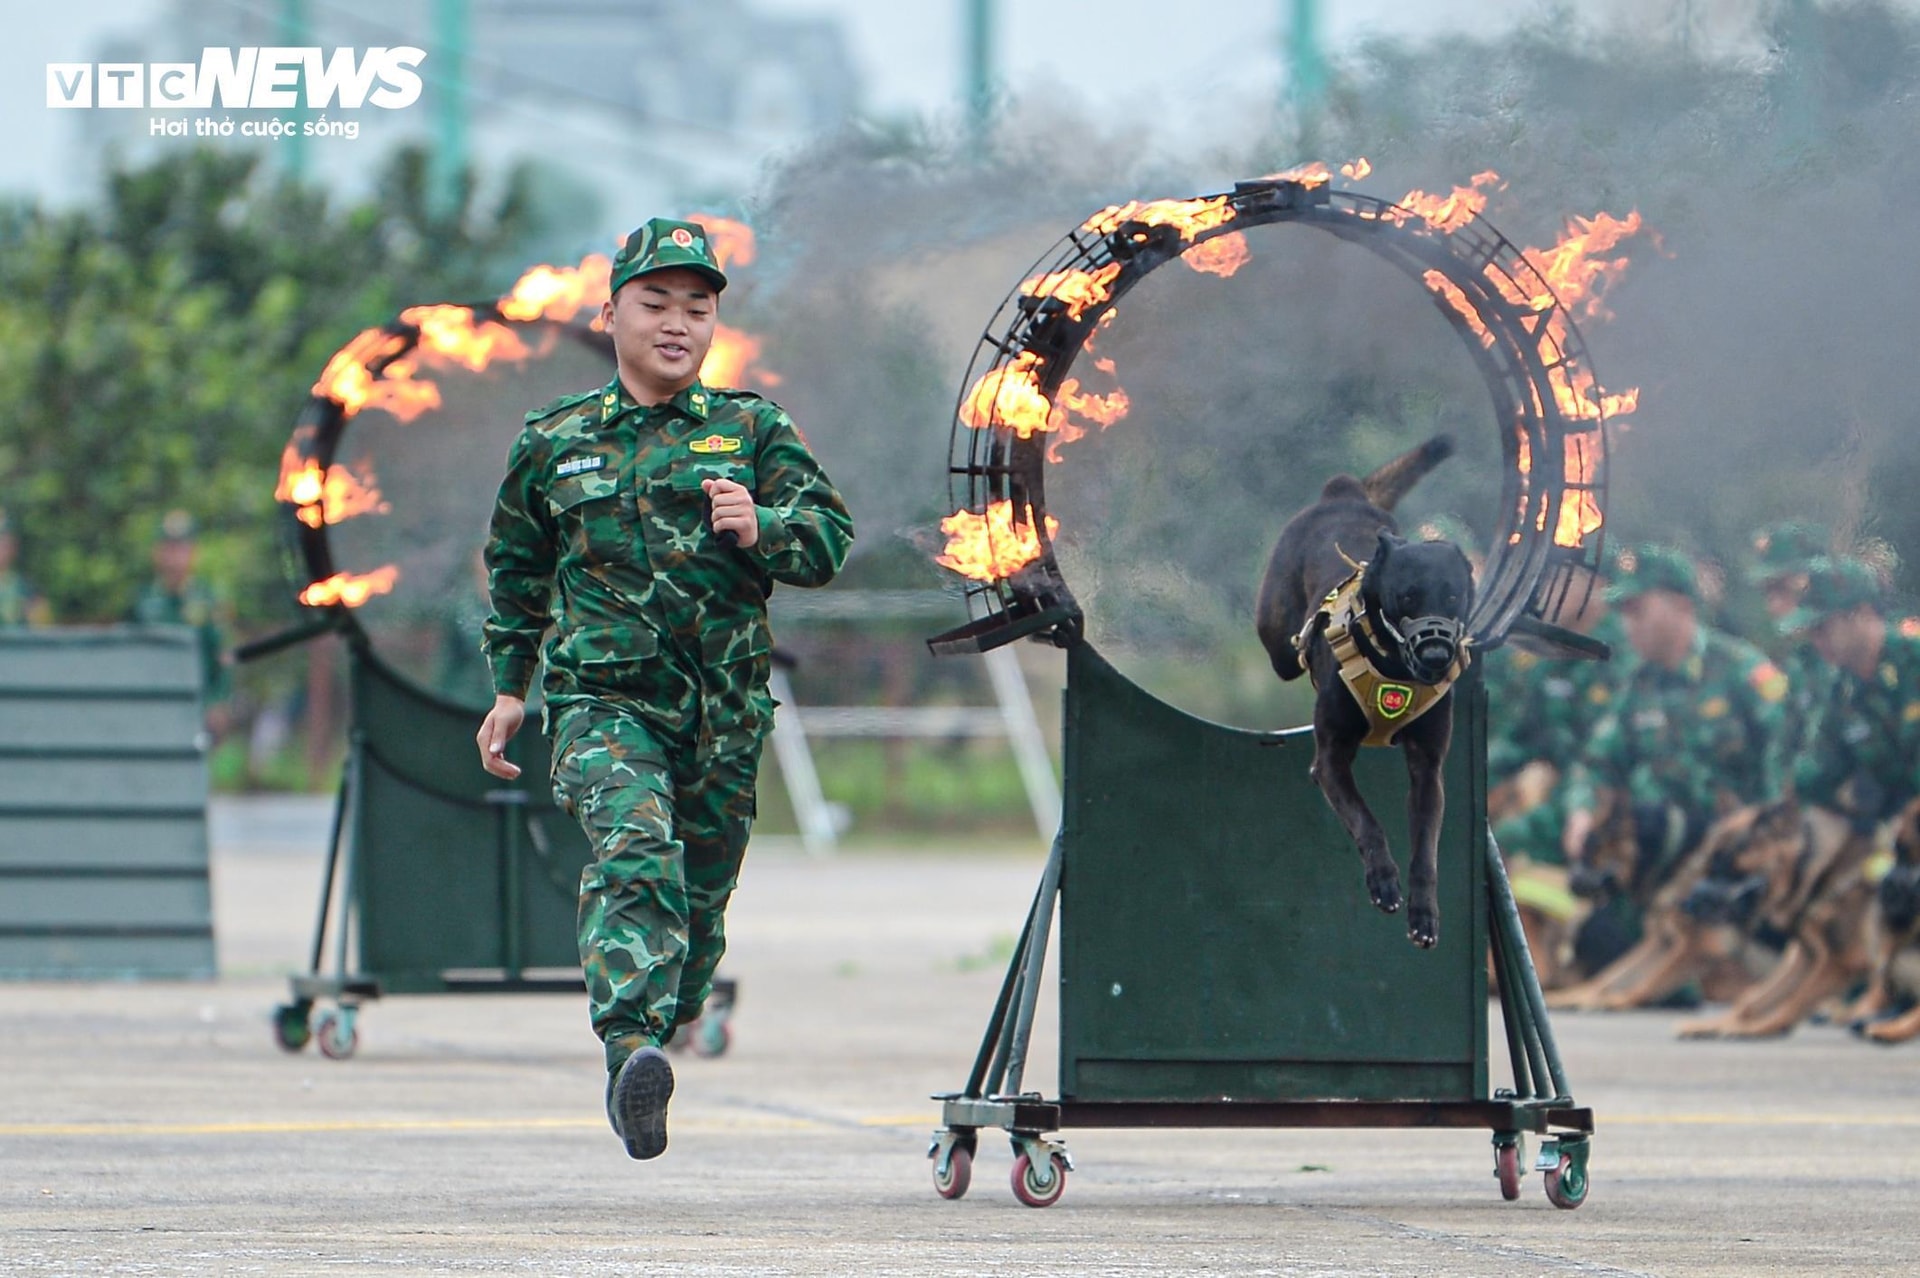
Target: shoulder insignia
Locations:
point(1768, 681)
point(1714, 708)
point(1912, 713)
point(1599, 694)
point(564, 402)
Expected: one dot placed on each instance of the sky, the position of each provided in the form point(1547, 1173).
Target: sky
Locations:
point(1142, 60)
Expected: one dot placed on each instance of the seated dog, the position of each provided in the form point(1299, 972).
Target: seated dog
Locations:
point(1697, 927)
point(1893, 942)
point(1383, 641)
point(1819, 900)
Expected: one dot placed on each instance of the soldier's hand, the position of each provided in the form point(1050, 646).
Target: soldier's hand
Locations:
point(1573, 836)
point(733, 510)
point(498, 728)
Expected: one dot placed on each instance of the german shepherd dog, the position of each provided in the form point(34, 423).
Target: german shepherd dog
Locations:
point(1415, 598)
point(1819, 898)
point(1699, 927)
point(1893, 942)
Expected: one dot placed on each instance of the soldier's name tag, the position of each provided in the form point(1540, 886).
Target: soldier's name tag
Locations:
point(579, 465)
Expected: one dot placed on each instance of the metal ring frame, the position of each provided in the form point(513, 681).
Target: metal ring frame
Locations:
point(1525, 350)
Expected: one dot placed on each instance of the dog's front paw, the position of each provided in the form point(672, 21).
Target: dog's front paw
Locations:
point(1383, 886)
point(1423, 926)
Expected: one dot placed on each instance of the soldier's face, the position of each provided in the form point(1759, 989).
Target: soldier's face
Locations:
point(1783, 594)
point(1659, 625)
point(662, 326)
point(173, 561)
point(1850, 640)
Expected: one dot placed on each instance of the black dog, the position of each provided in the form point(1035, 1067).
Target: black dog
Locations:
point(1399, 626)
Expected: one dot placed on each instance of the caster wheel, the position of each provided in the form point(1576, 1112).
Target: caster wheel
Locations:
point(712, 1037)
point(1566, 1185)
point(1506, 1163)
point(959, 1173)
point(336, 1034)
point(290, 1028)
point(1040, 1187)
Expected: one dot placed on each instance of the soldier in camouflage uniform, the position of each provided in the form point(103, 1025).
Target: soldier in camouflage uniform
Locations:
point(646, 521)
point(20, 604)
point(1862, 753)
point(1689, 735)
point(177, 597)
point(1781, 555)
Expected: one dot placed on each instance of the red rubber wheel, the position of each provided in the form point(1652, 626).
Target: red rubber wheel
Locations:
point(1039, 1188)
point(1506, 1162)
point(336, 1035)
point(1560, 1186)
point(959, 1173)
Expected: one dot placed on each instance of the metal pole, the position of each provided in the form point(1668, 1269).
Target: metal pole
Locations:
point(1507, 915)
point(349, 777)
point(978, 44)
point(1036, 962)
point(1023, 733)
point(795, 756)
point(450, 106)
point(1306, 68)
point(295, 33)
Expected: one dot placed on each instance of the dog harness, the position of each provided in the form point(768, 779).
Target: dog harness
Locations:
point(1388, 705)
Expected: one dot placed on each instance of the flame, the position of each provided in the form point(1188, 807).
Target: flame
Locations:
point(1456, 298)
point(1190, 217)
point(1308, 175)
point(1354, 170)
point(326, 497)
point(558, 292)
point(732, 241)
point(451, 332)
point(1579, 511)
point(351, 589)
point(730, 360)
point(1010, 398)
point(1221, 255)
point(989, 547)
point(1447, 212)
point(348, 379)
point(1078, 290)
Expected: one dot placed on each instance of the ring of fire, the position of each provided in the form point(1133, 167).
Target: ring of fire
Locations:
point(1513, 308)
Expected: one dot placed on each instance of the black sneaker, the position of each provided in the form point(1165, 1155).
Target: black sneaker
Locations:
point(638, 1105)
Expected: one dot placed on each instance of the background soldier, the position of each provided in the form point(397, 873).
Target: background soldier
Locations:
point(646, 521)
point(1782, 554)
point(177, 597)
point(20, 604)
point(1862, 755)
point(1689, 735)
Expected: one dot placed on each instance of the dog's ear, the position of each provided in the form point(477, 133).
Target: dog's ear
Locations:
point(1385, 546)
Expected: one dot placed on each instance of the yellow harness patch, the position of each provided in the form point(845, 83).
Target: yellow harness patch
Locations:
point(1389, 706)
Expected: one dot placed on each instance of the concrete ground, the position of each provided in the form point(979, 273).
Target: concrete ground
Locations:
point(157, 1129)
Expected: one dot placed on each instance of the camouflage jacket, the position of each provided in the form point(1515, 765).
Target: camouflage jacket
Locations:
point(1693, 737)
point(601, 532)
point(1546, 707)
point(199, 608)
point(1868, 728)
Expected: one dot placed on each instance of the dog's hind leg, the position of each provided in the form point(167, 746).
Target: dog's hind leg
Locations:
point(1332, 771)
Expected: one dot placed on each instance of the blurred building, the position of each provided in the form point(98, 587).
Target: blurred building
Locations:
point(634, 106)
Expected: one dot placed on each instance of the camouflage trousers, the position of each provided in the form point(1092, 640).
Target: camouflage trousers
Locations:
point(668, 838)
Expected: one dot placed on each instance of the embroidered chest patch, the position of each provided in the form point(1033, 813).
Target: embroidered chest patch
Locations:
point(579, 465)
point(1393, 699)
point(716, 444)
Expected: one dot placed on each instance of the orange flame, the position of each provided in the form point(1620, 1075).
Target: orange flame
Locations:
point(1221, 255)
point(326, 497)
point(1010, 398)
point(1190, 217)
point(1354, 170)
point(558, 292)
point(732, 241)
point(1456, 298)
point(989, 547)
point(450, 331)
point(1078, 290)
point(1447, 212)
point(351, 589)
point(1308, 175)
point(730, 361)
point(348, 379)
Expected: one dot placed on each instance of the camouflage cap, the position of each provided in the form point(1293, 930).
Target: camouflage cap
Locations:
point(1785, 548)
point(1834, 586)
point(662, 243)
point(177, 525)
point(1645, 568)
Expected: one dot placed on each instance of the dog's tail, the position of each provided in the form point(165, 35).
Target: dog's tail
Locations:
point(1387, 485)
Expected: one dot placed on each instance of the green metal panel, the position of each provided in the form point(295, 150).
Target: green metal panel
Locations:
point(446, 881)
point(103, 797)
point(1216, 941)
